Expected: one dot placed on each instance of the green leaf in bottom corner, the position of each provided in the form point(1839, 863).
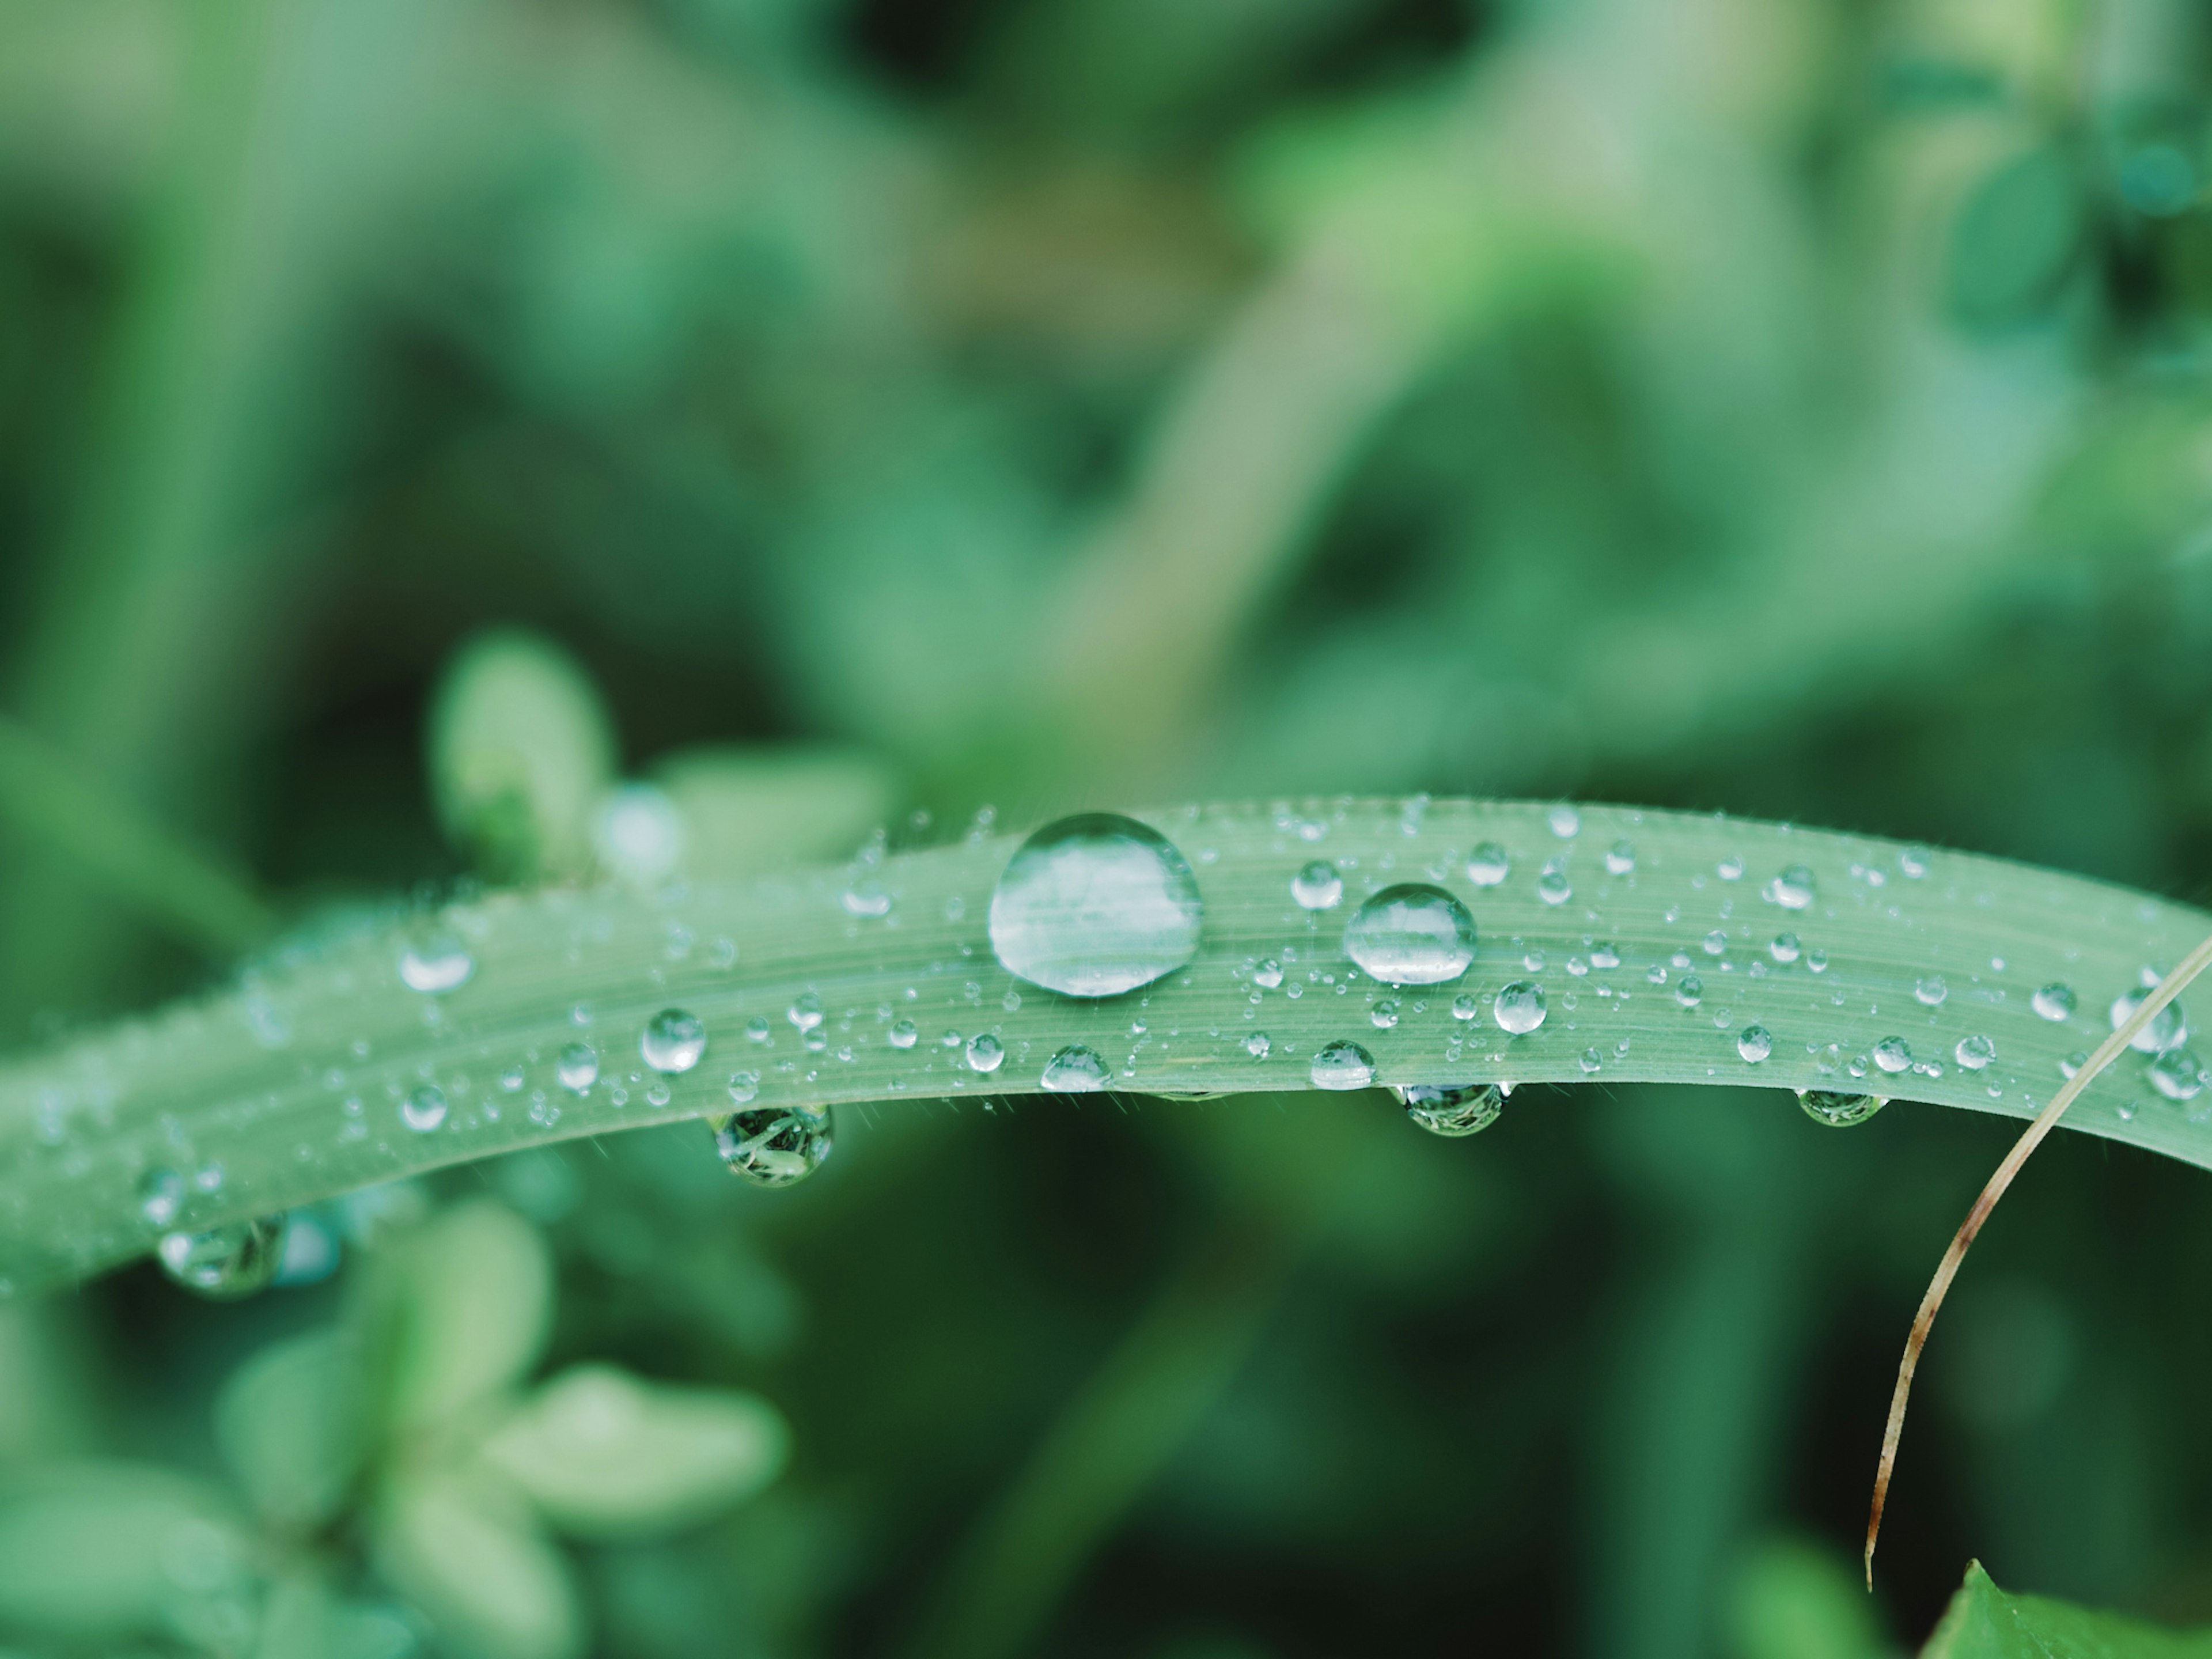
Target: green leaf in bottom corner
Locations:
point(471, 1562)
point(1983, 1622)
point(606, 1455)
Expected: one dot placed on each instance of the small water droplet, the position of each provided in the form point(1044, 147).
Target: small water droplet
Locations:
point(1487, 866)
point(1689, 990)
point(866, 897)
point(2177, 1074)
point(757, 1029)
point(1269, 975)
point(577, 1067)
point(1785, 949)
point(1451, 1109)
point(161, 1195)
point(1410, 935)
point(1604, 956)
point(774, 1145)
point(225, 1262)
point(1730, 868)
point(1566, 823)
point(1317, 886)
point(424, 1110)
point(1591, 1060)
point(674, 1040)
point(985, 1053)
point(2055, 1001)
point(1383, 1015)
point(1619, 858)
point(1837, 1109)
point(1519, 1007)
point(1817, 961)
point(2071, 1063)
point(2168, 1027)
point(904, 1034)
point(1913, 860)
point(1553, 886)
point(1257, 1045)
point(1715, 943)
point(1342, 1065)
point(1793, 888)
point(1075, 1070)
point(806, 1010)
point(1931, 990)
point(1095, 905)
point(1893, 1055)
point(1755, 1043)
point(436, 965)
point(1974, 1052)
point(744, 1088)
point(1466, 1006)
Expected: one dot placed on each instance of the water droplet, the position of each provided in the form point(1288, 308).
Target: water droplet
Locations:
point(657, 1093)
point(2055, 1001)
point(1257, 1045)
point(1487, 866)
point(2177, 1074)
point(1553, 886)
point(1929, 990)
point(774, 1145)
point(437, 964)
point(1793, 888)
point(1410, 935)
point(1974, 1052)
point(1519, 1007)
point(2168, 1028)
point(904, 1034)
point(1893, 1055)
point(577, 1068)
point(2072, 1064)
point(1785, 949)
point(1451, 1109)
point(1317, 886)
point(1383, 1015)
point(1466, 1006)
point(1269, 975)
point(985, 1053)
point(757, 1029)
point(1619, 858)
point(806, 1010)
point(1913, 860)
point(1755, 1043)
point(1591, 1060)
point(1838, 1110)
point(744, 1088)
point(1076, 1070)
point(1689, 990)
point(673, 1041)
point(1715, 943)
point(161, 1195)
point(1095, 905)
point(1342, 1065)
point(866, 897)
point(512, 1079)
point(424, 1110)
point(1604, 956)
point(1730, 868)
point(228, 1261)
point(1817, 961)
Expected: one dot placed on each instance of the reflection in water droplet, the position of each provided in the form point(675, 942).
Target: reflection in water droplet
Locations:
point(1714, 943)
point(1730, 868)
point(1913, 860)
point(2055, 1001)
point(2071, 1063)
point(985, 1053)
point(437, 964)
point(1975, 1053)
point(1451, 1109)
point(904, 1034)
point(774, 1145)
point(1931, 990)
point(1466, 1006)
point(743, 1087)
point(866, 897)
point(1793, 888)
point(1838, 1110)
point(1383, 1015)
point(228, 1261)
point(673, 1041)
point(1487, 866)
point(1755, 1043)
point(424, 1110)
point(1410, 935)
point(1553, 886)
point(1519, 1007)
point(1565, 821)
point(1269, 975)
point(1785, 949)
point(2177, 1074)
point(577, 1067)
point(161, 1195)
point(1893, 1055)
point(806, 1010)
point(1342, 1065)
point(1095, 905)
point(1689, 990)
point(1619, 858)
point(1257, 1045)
point(2168, 1027)
point(1317, 886)
point(1075, 1070)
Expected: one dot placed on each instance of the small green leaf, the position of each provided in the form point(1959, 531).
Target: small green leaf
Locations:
point(1793, 1600)
point(1983, 1622)
point(2015, 237)
point(521, 750)
point(469, 1559)
point(289, 1423)
point(604, 1453)
point(475, 1297)
point(746, 810)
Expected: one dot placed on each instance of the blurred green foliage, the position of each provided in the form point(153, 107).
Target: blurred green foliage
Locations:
point(889, 406)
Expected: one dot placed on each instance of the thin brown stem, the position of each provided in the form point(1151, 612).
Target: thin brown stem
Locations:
point(2106, 1052)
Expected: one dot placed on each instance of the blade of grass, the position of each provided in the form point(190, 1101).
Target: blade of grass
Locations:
point(288, 1088)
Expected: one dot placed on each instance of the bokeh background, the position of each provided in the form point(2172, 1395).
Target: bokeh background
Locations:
point(1792, 407)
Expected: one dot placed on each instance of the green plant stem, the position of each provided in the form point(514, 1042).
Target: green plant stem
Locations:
point(288, 1089)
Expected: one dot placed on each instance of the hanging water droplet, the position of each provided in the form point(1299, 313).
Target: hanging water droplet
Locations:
point(436, 965)
point(904, 1034)
point(225, 1262)
point(674, 1040)
point(1837, 1109)
point(1383, 1015)
point(1519, 1007)
point(1689, 991)
point(1317, 886)
point(577, 1068)
point(1269, 975)
point(1342, 1065)
point(1487, 866)
point(2177, 1074)
point(774, 1145)
point(1553, 886)
point(1566, 823)
point(1793, 888)
point(1931, 990)
point(1619, 858)
point(2055, 1001)
point(1410, 935)
point(744, 1088)
point(1785, 949)
point(1095, 905)
point(866, 897)
point(1755, 1043)
point(1451, 1109)
point(985, 1053)
point(160, 1194)
point(2168, 1028)
point(424, 1110)
point(1974, 1052)
point(1893, 1055)
point(1257, 1045)
point(1075, 1070)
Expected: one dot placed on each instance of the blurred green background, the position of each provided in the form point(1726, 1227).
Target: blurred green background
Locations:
point(914, 406)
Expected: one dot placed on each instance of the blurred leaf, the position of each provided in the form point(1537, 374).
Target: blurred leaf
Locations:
point(98, 1552)
point(289, 1423)
point(301, 1619)
point(2015, 237)
point(745, 811)
point(478, 1569)
point(1983, 1622)
point(605, 1453)
point(520, 751)
point(477, 1292)
point(1794, 1601)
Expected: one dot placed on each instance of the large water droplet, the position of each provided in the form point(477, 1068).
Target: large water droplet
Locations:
point(674, 1040)
point(1755, 1043)
point(1342, 1065)
point(1410, 935)
point(161, 1195)
point(228, 1261)
point(1975, 1053)
point(1487, 866)
point(985, 1053)
point(578, 1067)
point(1095, 905)
point(774, 1145)
point(2055, 1001)
point(2168, 1028)
point(1451, 1109)
point(424, 1110)
point(1519, 1007)
point(1838, 1110)
point(2177, 1074)
point(1076, 1070)
point(1317, 886)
